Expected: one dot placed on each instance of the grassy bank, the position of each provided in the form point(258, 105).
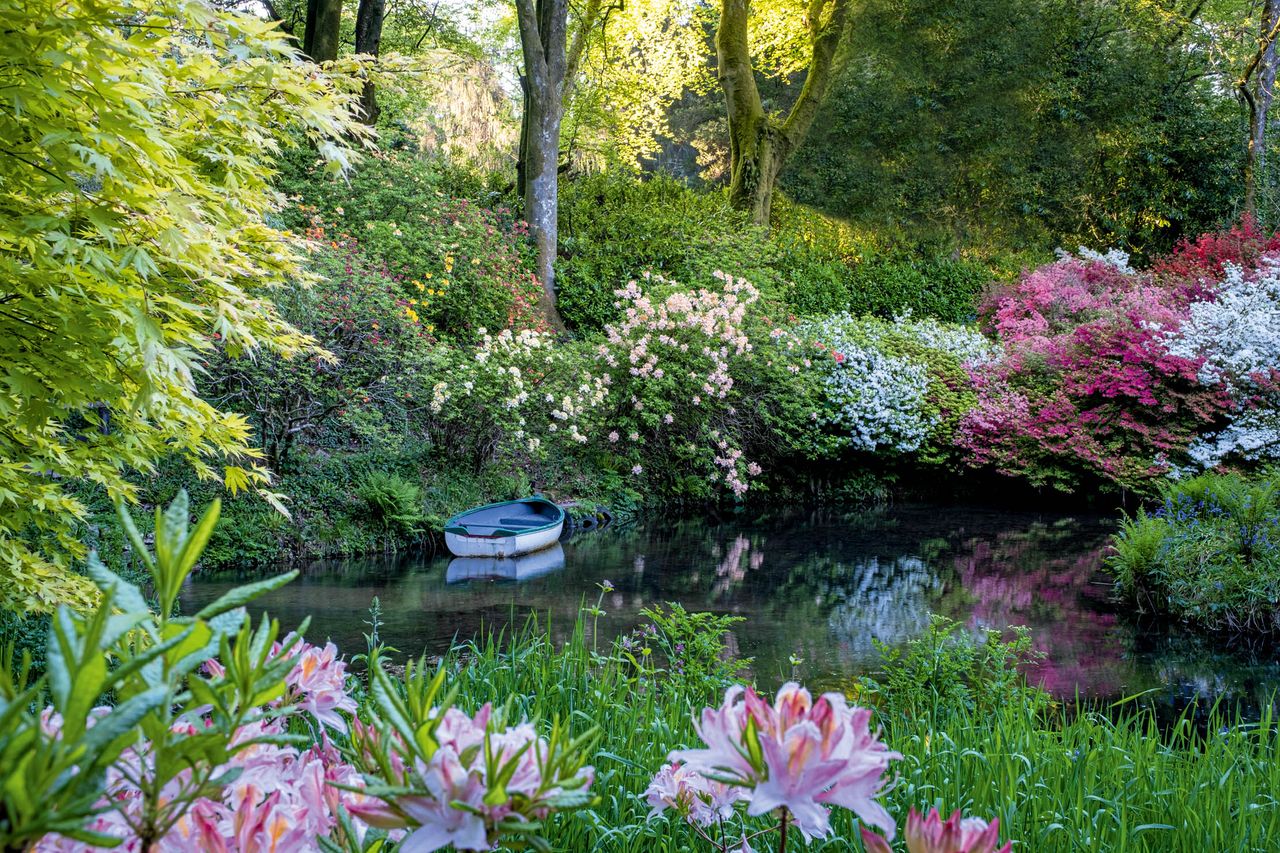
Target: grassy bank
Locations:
point(1058, 779)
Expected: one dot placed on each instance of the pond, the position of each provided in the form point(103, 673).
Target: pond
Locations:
point(823, 587)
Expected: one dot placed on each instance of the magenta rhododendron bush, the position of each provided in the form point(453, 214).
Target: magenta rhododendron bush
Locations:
point(1088, 386)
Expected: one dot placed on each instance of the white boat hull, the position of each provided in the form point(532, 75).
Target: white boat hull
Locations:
point(502, 546)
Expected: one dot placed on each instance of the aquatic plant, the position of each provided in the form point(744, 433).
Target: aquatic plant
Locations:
point(1209, 553)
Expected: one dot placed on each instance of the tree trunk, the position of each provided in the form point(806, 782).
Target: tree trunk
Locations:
point(369, 18)
point(587, 20)
point(758, 144)
point(543, 32)
point(1256, 88)
point(320, 42)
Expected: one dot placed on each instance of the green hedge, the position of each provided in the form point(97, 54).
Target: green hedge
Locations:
point(614, 228)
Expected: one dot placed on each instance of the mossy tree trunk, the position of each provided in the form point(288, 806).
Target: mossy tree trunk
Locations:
point(1256, 88)
point(320, 41)
point(759, 144)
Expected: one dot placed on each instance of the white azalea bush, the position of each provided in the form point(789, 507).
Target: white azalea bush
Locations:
point(897, 386)
point(1236, 334)
point(514, 396)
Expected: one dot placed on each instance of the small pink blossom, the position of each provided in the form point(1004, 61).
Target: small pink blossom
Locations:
point(934, 835)
point(698, 800)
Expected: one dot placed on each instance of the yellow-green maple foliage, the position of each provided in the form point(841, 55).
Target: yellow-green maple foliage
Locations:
point(136, 141)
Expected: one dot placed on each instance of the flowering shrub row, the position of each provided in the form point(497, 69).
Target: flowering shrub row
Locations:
point(1090, 372)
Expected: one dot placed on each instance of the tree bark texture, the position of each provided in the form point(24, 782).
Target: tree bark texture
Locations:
point(320, 42)
point(369, 19)
point(1256, 88)
point(759, 144)
point(586, 21)
point(543, 35)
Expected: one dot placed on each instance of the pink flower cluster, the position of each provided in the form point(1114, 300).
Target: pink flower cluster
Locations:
point(932, 834)
point(796, 754)
point(456, 803)
point(1087, 385)
point(679, 354)
point(282, 799)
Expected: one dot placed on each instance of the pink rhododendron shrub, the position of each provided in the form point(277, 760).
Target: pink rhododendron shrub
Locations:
point(796, 758)
point(1087, 388)
point(932, 834)
point(677, 359)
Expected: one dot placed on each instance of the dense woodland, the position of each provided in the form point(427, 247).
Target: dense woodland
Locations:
point(296, 279)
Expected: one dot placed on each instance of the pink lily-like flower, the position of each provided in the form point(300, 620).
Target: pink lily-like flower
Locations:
point(797, 754)
point(319, 681)
point(932, 834)
point(697, 799)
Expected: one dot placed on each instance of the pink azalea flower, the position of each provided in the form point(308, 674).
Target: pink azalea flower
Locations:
point(934, 835)
point(697, 799)
point(319, 682)
point(796, 754)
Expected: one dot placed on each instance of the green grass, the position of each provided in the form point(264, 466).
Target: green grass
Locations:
point(1080, 781)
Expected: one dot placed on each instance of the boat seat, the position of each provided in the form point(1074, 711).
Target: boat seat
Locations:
point(521, 522)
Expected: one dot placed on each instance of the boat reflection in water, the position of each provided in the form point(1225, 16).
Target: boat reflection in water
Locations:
point(519, 568)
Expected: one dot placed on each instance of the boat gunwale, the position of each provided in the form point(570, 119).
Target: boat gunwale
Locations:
point(453, 520)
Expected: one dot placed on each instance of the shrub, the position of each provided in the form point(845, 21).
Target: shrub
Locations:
point(615, 229)
point(1234, 332)
point(678, 416)
point(470, 265)
point(515, 398)
point(1087, 387)
point(1210, 553)
point(897, 386)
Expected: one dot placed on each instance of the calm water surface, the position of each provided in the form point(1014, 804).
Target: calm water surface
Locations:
point(821, 586)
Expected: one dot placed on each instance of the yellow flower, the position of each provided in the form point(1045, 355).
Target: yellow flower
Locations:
point(419, 285)
point(475, 262)
point(426, 275)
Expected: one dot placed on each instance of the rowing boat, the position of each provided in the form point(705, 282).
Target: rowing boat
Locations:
point(505, 529)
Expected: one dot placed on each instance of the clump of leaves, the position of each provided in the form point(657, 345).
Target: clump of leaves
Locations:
point(393, 501)
point(150, 663)
point(949, 667)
